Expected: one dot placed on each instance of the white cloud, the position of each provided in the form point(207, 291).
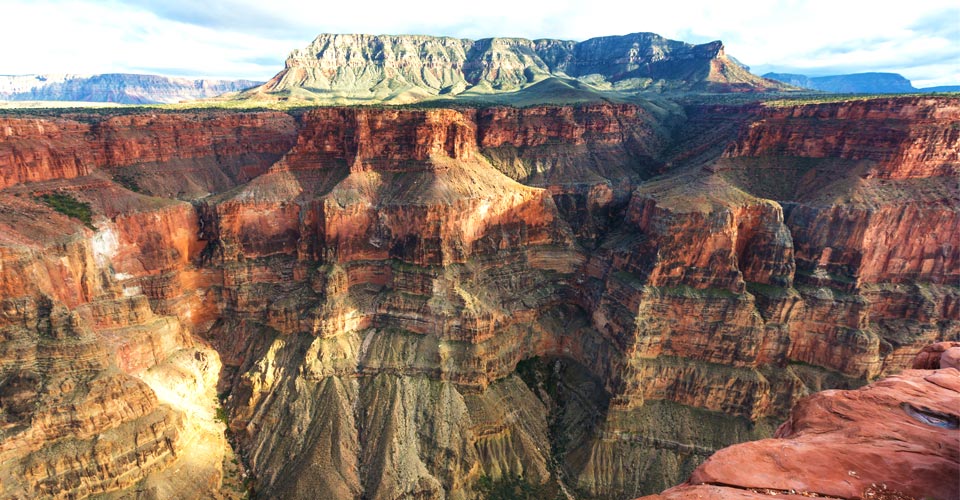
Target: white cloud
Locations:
point(251, 38)
point(96, 37)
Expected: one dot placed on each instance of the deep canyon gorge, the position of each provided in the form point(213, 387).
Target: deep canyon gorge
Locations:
point(429, 303)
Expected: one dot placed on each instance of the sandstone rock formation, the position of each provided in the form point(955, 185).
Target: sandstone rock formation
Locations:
point(939, 355)
point(355, 68)
point(166, 155)
point(430, 303)
point(99, 392)
point(896, 438)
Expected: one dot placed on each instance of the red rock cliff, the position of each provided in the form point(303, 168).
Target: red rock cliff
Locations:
point(896, 438)
point(209, 151)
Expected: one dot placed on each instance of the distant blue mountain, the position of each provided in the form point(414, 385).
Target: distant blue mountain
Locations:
point(942, 88)
point(114, 87)
point(857, 83)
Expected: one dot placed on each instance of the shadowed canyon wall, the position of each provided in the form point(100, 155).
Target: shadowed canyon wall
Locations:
point(431, 303)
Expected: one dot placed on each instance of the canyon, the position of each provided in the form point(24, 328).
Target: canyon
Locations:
point(584, 300)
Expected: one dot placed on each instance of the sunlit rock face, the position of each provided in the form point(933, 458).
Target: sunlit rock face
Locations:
point(100, 392)
point(402, 69)
point(431, 303)
point(169, 155)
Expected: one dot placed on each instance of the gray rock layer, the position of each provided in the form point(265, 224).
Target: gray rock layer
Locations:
point(414, 67)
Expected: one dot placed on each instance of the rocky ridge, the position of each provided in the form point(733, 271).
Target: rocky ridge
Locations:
point(117, 88)
point(857, 83)
point(355, 68)
point(422, 303)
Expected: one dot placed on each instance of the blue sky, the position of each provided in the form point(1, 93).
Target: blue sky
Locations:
point(251, 38)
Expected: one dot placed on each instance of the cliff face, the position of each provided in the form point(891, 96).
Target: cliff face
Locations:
point(99, 392)
point(168, 155)
point(900, 138)
point(409, 68)
point(426, 303)
point(896, 438)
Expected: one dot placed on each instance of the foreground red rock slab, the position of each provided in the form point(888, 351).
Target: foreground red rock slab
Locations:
point(895, 438)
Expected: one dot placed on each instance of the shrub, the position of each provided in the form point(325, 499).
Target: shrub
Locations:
point(70, 206)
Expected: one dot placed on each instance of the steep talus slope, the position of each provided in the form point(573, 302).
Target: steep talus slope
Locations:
point(355, 68)
point(432, 303)
point(424, 276)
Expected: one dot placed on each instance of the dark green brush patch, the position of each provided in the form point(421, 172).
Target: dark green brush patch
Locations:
point(690, 292)
point(629, 279)
point(772, 291)
point(221, 414)
point(805, 98)
point(69, 206)
point(128, 180)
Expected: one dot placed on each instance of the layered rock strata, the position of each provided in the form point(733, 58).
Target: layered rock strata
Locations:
point(896, 438)
point(99, 392)
point(431, 303)
point(357, 68)
point(197, 154)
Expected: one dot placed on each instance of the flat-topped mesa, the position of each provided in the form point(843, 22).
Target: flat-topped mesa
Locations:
point(409, 68)
point(115, 87)
point(637, 55)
